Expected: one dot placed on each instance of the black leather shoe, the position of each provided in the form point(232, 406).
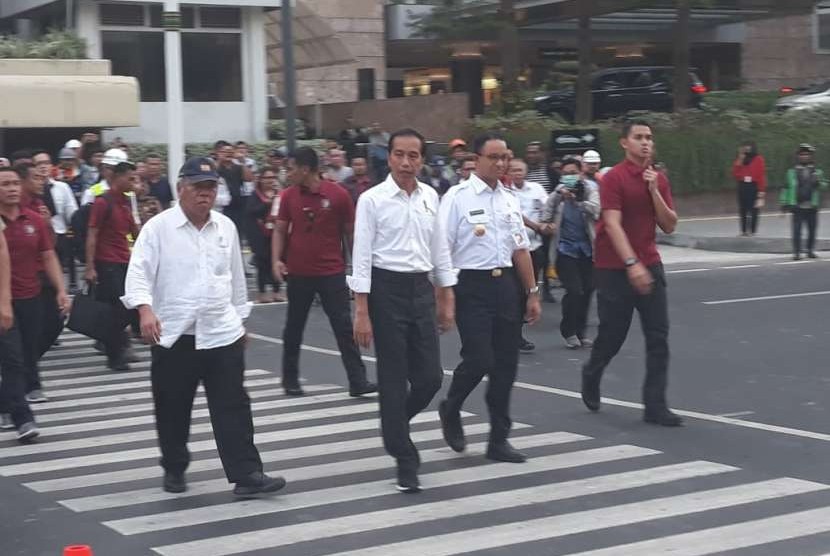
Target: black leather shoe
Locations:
point(258, 484)
point(118, 365)
point(366, 388)
point(174, 482)
point(663, 417)
point(812, 255)
point(451, 427)
point(526, 345)
point(505, 452)
point(408, 482)
point(293, 389)
point(590, 393)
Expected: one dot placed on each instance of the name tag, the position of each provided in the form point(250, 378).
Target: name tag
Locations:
point(747, 179)
point(477, 212)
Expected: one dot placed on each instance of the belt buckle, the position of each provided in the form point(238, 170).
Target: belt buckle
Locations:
point(496, 273)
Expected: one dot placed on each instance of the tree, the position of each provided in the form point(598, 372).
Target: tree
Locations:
point(584, 98)
point(681, 55)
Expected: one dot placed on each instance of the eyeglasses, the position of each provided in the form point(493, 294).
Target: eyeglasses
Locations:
point(497, 157)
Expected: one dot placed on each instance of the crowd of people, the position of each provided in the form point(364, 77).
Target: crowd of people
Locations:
point(420, 243)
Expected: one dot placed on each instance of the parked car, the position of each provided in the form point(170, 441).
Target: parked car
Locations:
point(619, 90)
point(815, 96)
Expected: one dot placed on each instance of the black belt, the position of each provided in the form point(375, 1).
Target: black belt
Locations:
point(382, 273)
point(492, 273)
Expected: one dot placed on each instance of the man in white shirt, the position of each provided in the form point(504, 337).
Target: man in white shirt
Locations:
point(187, 281)
point(337, 170)
point(489, 245)
point(400, 260)
point(532, 197)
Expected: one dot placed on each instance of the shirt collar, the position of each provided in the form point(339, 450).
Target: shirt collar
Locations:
point(391, 188)
point(180, 218)
point(632, 168)
point(479, 185)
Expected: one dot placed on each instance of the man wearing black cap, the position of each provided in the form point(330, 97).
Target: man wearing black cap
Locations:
point(108, 254)
point(187, 281)
point(802, 195)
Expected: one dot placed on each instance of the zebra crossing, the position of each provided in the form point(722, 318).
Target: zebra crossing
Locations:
point(576, 496)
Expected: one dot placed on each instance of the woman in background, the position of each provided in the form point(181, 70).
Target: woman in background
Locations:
point(750, 172)
point(260, 214)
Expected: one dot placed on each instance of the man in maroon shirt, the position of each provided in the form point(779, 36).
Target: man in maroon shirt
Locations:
point(30, 246)
point(635, 199)
point(313, 219)
point(111, 221)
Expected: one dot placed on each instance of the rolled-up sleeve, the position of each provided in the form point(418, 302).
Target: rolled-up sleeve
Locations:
point(443, 275)
point(364, 234)
point(239, 286)
point(141, 272)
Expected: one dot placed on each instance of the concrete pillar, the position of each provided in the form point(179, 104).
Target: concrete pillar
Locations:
point(467, 72)
point(87, 27)
point(254, 71)
point(175, 105)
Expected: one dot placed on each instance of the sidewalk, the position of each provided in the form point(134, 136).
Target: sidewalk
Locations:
point(721, 233)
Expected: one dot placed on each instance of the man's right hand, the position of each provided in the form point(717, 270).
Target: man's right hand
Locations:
point(90, 275)
point(362, 329)
point(6, 317)
point(150, 325)
point(280, 270)
point(640, 278)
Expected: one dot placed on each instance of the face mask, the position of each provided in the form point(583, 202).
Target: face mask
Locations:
point(569, 181)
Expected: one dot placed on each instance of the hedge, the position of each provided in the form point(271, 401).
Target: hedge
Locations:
point(258, 151)
point(698, 152)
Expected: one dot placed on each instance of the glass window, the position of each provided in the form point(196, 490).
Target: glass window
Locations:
point(218, 18)
point(366, 83)
point(212, 67)
point(822, 27)
point(140, 55)
point(122, 15)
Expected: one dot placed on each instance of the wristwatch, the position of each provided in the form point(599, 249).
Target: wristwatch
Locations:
point(534, 289)
point(631, 261)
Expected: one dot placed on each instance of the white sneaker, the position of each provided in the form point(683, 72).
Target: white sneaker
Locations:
point(27, 431)
point(572, 342)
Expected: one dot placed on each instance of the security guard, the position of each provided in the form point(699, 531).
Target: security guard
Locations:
point(489, 245)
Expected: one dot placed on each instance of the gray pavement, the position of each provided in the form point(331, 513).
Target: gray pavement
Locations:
point(721, 233)
point(746, 476)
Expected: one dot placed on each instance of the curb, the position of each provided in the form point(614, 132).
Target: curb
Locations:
point(776, 246)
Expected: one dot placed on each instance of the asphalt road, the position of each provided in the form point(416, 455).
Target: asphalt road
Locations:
point(746, 476)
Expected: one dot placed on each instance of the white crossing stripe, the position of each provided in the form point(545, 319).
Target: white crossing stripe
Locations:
point(201, 400)
point(46, 375)
point(57, 353)
point(362, 491)
point(445, 509)
point(74, 360)
point(118, 377)
point(354, 408)
point(131, 386)
point(210, 464)
point(303, 473)
point(74, 462)
point(126, 438)
point(556, 526)
point(727, 537)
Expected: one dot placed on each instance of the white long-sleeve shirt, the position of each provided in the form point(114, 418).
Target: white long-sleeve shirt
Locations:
point(193, 279)
point(484, 226)
point(65, 206)
point(401, 233)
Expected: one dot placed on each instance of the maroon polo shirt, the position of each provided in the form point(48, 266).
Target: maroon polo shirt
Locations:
point(112, 245)
point(317, 222)
point(27, 237)
point(623, 188)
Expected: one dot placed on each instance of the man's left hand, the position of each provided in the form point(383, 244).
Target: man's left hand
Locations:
point(651, 177)
point(64, 303)
point(6, 317)
point(533, 309)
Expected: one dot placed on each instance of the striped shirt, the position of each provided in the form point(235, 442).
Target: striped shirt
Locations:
point(540, 176)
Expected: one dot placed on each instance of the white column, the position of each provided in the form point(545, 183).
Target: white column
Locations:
point(255, 71)
point(175, 118)
point(87, 28)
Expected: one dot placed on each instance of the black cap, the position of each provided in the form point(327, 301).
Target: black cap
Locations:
point(199, 169)
point(806, 148)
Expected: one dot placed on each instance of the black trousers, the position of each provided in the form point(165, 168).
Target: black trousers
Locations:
point(402, 311)
point(489, 318)
point(175, 374)
point(52, 321)
point(67, 258)
point(539, 259)
point(110, 288)
point(28, 317)
point(616, 300)
point(264, 272)
point(747, 195)
point(13, 378)
point(803, 216)
point(334, 294)
point(577, 278)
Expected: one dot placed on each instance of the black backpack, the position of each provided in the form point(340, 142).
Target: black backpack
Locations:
point(80, 226)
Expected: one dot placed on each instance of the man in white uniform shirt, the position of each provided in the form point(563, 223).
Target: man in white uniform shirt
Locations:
point(400, 260)
point(532, 197)
point(489, 244)
point(187, 281)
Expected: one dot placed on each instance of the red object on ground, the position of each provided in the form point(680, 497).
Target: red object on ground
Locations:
point(77, 550)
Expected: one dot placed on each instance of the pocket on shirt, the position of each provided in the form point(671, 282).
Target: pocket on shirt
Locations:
point(222, 264)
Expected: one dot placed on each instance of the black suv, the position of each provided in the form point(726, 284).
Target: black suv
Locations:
point(620, 90)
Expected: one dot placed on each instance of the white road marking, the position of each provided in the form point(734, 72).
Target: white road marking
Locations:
point(728, 537)
point(362, 491)
point(75, 462)
point(445, 509)
point(688, 270)
point(90, 359)
point(738, 414)
point(765, 298)
point(46, 375)
point(556, 526)
point(131, 386)
point(795, 262)
point(740, 266)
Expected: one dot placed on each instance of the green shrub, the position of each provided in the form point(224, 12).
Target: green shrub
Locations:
point(698, 152)
point(754, 102)
point(57, 45)
point(276, 129)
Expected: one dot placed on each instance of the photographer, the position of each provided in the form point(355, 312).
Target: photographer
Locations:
point(573, 209)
